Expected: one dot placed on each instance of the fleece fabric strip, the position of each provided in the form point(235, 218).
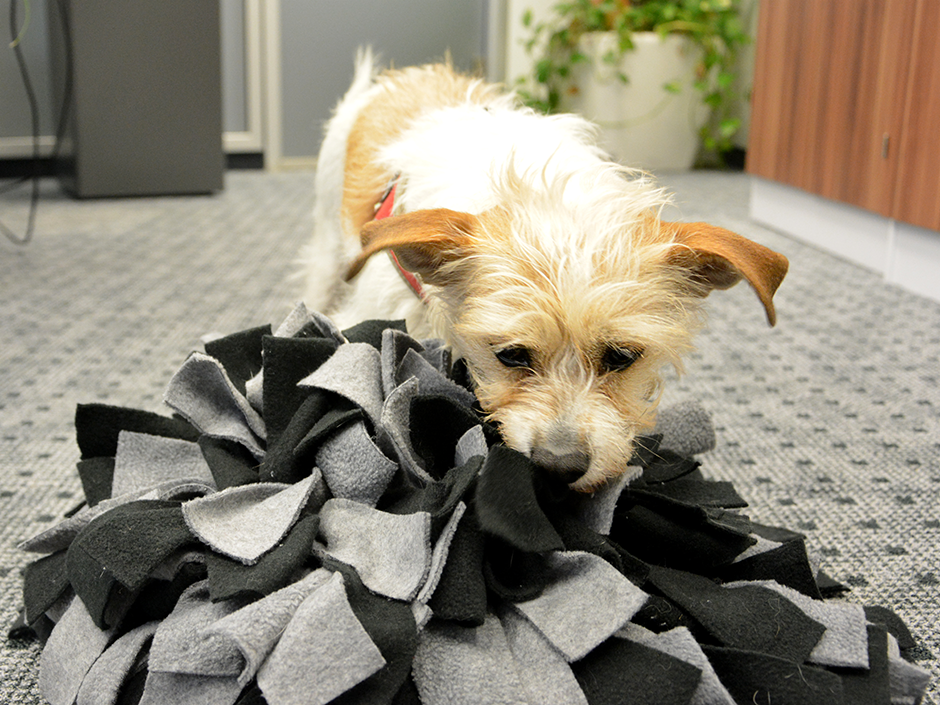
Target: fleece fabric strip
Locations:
point(246, 522)
point(181, 644)
point(843, 642)
point(329, 518)
point(391, 552)
point(229, 578)
point(458, 665)
point(545, 674)
point(103, 682)
point(255, 629)
point(75, 644)
point(585, 601)
point(286, 362)
point(680, 643)
point(651, 677)
point(97, 427)
point(353, 466)
point(354, 371)
point(117, 552)
point(240, 354)
point(143, 461)
point(202, 393)
point(323, 652)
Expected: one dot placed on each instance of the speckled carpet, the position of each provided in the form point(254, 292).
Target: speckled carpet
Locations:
point(828, 424)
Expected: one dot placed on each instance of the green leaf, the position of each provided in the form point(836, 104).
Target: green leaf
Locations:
point(527, 18)
point(673, 87)
point(728, 127)
point(579, 58)
point(543, 70)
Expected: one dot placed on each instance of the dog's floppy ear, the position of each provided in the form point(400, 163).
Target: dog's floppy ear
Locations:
point(422, 240)
point(719, 258)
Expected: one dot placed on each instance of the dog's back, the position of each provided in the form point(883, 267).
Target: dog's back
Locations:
point(396, 101)
point(375, 110)
point(454, 137)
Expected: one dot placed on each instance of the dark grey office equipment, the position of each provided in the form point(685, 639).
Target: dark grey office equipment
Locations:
point(146, 105)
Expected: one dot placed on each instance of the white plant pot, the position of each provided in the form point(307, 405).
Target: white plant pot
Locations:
point(642, 124)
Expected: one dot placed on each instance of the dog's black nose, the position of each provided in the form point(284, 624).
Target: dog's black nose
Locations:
point(569, 466)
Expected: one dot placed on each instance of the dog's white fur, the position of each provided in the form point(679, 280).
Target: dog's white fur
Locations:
point(526, 238)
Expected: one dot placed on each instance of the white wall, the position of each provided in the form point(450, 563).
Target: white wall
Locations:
point(518, 62)
point(903, 254)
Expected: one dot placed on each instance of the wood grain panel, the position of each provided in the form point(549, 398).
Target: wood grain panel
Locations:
point(849, 144)
point(917, 195)
point(774, 84)
point(889, 106)
point(807, 59)
point(815, 84)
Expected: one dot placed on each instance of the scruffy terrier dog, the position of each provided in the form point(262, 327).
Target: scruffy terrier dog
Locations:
point(510, 235)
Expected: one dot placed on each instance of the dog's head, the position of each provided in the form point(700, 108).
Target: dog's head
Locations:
point(567, 309)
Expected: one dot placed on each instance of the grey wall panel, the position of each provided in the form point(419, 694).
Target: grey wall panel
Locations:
point(319, 39)
point(234, 71)
point(15, 118)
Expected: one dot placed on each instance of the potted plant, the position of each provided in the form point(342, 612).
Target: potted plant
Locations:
point(654, 74)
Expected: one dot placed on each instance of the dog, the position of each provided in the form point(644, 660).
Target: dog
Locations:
point(510, 235)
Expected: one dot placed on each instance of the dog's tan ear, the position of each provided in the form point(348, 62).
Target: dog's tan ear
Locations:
point(423, 240)
point(719, 258)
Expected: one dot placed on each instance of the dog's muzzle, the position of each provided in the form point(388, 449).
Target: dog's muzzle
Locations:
point(570, 466)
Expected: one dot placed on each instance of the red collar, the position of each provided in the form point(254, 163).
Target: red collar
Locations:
point(384, 210)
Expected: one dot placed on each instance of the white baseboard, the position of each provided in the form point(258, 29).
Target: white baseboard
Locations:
point(903, 254)
point(22, 147)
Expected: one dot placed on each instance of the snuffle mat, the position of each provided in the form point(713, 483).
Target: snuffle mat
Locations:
point(325, 517)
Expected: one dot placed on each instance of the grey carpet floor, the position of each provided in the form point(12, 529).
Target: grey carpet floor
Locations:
point(828, 424)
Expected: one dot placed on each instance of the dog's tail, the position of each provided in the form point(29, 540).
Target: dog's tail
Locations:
point(324, 256)
point(332, 158)
point(366, 63)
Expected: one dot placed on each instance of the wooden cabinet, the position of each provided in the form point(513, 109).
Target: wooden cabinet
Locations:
point(846, 103)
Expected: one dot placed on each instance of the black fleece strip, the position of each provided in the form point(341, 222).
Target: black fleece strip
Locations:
point(97, 427)
point(788, 564)
point(240, 354)
point(752, 617)
point(752, 677)
point(871, 687)
point(231, 463)
point(621, 671)
point(371, 332)
point(286, 362)
point(45, 581)
point(507, 506)
point(97, 476)
point(229, 578)
point(123, 546)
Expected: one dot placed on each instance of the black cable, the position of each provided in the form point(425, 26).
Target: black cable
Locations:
point(34, 116)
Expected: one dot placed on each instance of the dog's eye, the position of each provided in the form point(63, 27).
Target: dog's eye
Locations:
point(516, 356)
point(619, 359)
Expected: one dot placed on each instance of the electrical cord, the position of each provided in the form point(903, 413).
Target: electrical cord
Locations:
point(16, 36)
